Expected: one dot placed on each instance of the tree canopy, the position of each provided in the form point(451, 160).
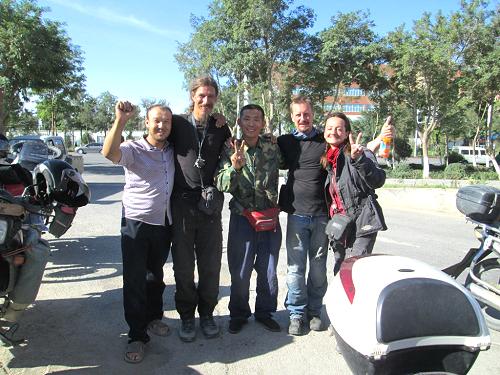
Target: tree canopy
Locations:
point(36, 56)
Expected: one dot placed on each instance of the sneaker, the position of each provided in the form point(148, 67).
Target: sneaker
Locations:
point(208, 326)
point(187, 333)
point(296, 327)
point(269, 323)
point(158, 328)
point(315, 324)
point(235, 325)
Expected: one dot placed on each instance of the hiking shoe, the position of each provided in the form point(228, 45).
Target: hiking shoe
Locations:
point(235, 325)
point(208, 326)
point(187, 332)
point(315, 324)
point(296, 327)
point(158, 328)
point(269, 323)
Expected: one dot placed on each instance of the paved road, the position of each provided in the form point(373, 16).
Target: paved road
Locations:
point(77, 326)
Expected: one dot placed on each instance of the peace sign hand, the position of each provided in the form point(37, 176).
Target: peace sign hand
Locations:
point(356, 148)
point(238, 158)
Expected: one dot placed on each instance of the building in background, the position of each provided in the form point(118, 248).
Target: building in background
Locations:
point(352, 100)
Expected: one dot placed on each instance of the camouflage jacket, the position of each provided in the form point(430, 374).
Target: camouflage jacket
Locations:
point(255, 186)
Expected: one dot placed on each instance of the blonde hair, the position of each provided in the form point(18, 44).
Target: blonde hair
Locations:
point(298, 99)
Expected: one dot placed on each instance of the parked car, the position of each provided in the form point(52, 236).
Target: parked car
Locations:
point(90, 147)
point(53, 141)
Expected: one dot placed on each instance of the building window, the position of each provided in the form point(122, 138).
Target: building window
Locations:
point(356, 107)
point(350, 91)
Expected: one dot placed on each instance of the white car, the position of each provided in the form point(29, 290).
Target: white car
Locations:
point(90, 147)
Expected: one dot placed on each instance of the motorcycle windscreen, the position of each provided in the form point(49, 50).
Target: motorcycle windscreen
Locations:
point(33, 153)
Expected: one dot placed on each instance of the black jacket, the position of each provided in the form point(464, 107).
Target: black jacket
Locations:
point(356, 181)
point(182, 135)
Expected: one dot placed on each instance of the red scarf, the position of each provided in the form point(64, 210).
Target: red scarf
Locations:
point(332, 156)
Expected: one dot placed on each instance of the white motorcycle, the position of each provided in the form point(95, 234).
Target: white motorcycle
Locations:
point(396, 315)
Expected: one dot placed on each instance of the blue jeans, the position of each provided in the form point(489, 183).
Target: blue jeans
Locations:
point(305, 237)
point(248, 250)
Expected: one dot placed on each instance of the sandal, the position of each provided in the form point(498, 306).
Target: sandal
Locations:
point(134, 353)
point(158, 328)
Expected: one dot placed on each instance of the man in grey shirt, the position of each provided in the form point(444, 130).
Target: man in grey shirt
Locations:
point(146, 220)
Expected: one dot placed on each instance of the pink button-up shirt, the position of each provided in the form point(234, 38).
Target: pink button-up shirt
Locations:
point(149, 180)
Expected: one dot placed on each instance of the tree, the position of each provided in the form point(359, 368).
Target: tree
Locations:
point(58, 106)
point(26, 121)
point(35, 55)
point(243, 41)
point(476, 34)
point(86, 114)
point(105, 111)
point(346, 52)
point(425, 74)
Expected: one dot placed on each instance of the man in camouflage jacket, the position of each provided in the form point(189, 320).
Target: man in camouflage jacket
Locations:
point(249, 170)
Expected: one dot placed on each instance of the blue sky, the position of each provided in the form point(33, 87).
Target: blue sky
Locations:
point(129, 46)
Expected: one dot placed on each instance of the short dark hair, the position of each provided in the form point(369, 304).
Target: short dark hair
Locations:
point(253, 106)
point(161, 106)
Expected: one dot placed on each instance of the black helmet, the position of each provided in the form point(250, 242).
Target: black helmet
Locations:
point(56, 180)
point(4, 148)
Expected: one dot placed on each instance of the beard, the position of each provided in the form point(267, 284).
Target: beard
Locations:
point(204, 118)
point(202, 113)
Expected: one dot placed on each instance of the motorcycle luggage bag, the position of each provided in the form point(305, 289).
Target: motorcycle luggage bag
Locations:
point(479, 202)
point(396, 315)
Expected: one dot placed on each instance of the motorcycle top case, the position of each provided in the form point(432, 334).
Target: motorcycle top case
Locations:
point(479, 202)
point(396, 315)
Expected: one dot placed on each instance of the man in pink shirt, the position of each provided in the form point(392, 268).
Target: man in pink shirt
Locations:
point(146, 220)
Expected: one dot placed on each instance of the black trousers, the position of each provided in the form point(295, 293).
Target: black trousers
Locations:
point(196, 237)
point(145, 249)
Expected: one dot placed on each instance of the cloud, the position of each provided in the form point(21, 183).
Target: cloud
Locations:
point(114, 17)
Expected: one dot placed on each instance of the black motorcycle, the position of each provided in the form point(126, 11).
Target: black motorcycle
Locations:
point(481, 206)
point(31, 203)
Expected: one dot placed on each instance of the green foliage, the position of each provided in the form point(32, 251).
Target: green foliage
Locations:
point(68, 141)
point(246, 39)
point(458, 171)
point(86, 138)
point(455, 171)
point(105, 111)
point(484, 175)
point(348, 51)
point(35, 55)
point(24, 122)
point(402, 149)
point(455, 157)
point(85, 118)
point(403, 171)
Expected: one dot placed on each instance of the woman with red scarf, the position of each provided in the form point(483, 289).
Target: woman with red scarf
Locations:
point(353, 176)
